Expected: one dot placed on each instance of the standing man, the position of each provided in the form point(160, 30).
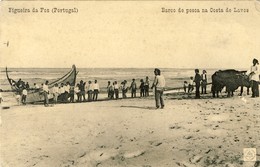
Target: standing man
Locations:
point(55, 91)
point(204, 82)
point(90, 90)
point(82, 89)
point(45, 93)
point(96, 90)
point(159, 85)
point(254, 78)
point(133, 88)
point(197, 80)
point(116, 90)
point(24, 95)
point(146, 86)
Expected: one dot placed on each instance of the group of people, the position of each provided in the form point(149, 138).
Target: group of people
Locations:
point(200, 80)
point(65, 92)
point(114, 88)
point(91, 89)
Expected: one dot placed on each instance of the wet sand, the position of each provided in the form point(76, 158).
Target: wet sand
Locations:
point(187, 132)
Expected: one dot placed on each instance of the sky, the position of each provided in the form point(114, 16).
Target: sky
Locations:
point(129, 34)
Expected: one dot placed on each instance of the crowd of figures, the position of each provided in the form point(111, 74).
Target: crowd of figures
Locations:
point(83, 91)
point(113, 89)
point(200, 80)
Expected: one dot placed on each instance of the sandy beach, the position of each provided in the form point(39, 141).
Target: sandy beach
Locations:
point(188, 132)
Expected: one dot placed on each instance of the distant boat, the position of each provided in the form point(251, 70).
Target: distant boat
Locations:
point(35, 95)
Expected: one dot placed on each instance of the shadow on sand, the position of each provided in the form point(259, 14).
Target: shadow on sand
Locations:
point(140, 107)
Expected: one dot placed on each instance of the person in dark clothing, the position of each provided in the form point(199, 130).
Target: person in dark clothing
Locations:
point(133, 88)
point(108, 89)
point(71, 93)
point(197, 80)
point(116, 90)
point(27, 85)
point(142, 88)
point(124, 89)
point(82, 89)
point(146, 86)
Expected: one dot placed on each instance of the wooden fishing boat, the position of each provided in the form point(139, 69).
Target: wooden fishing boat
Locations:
point(36, 95)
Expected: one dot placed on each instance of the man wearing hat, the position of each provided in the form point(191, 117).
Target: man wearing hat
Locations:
point(254, 78)
point(158, 84)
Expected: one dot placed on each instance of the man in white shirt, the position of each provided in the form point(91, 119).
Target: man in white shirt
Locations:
point(116, 89)
point(204, 82)
point(24, 95)
point(55, 91)
point(254, 78)
point(67, 90)
point(61, 92)
point(90, 90)
point(96, 90)
point(159, 85)
point(45, 93)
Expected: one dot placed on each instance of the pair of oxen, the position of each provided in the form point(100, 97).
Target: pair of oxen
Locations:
point(231, 79)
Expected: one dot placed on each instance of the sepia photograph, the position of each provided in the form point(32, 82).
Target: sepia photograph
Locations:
point(128, 83)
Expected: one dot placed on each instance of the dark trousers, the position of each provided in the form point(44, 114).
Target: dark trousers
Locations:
point(159, 98)
point(95, 94)
point(71, 97)
point(124, 93)
point(197, 91)
point(23, 99)
point(90, 95)
point(146, 90)
point(255, 89)
point(79, 97)
point(66, 96)
point(111, 94)
point(204, 87)
point(116, 93)
point(83, 94)
point(46, 99)
point(133, 93)
point(142, 93)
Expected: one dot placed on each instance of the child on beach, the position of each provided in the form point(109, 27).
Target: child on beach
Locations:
point(146, 86)
point(191, 85)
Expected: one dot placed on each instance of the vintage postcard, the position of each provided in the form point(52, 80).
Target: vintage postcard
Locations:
point(129, 83)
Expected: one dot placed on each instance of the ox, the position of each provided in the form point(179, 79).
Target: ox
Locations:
point(231, 79)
